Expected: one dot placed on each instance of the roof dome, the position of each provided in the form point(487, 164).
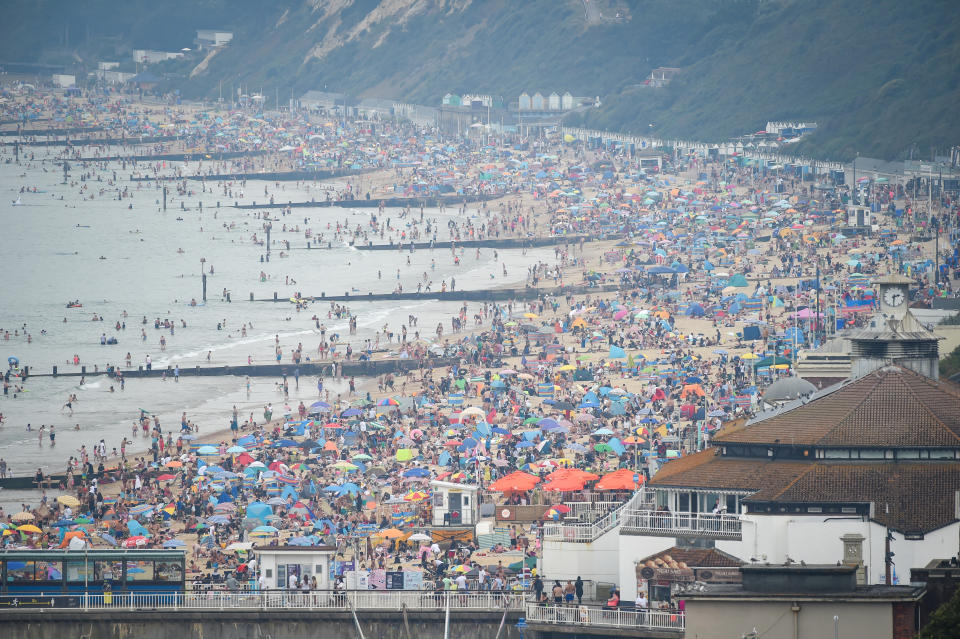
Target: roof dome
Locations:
point(787, 389)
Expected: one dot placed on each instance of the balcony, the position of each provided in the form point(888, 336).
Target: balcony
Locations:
point(682, 524)
point(588, 521)
point(646, 623)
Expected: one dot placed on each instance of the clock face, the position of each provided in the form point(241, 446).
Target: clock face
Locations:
point(893, 297)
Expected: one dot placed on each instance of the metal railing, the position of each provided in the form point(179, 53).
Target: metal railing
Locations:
point(591, 508)
point(590, 532)
point(663, 620)
point(655, 522)
point(286, 599)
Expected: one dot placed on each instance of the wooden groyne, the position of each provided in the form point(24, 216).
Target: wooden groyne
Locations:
point(274, 176)
point(501, 243)
point(483, 295)
point(176, 157)
point(452, 200)
point(345, 368)
point(68, 131)
point(94, 141)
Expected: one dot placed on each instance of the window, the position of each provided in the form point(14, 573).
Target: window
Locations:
point(908, 454)
point(49, 571)
point(20, 570)
point(836, 454)
point(169, 571)
point(683, 502)
point(871, 454)
point(139, 571)
point(80, 572)
point(732, 504)
point(108, 570)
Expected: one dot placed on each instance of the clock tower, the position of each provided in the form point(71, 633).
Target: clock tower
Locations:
point(894, 335)
point(893, 293)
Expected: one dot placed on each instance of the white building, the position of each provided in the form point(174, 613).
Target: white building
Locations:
point(64, 81)
point(112, 77)
point(149, 56)
point(454, 504)
point(825, 479)
point(277, 563)
point(106, 66)
point(212, 38)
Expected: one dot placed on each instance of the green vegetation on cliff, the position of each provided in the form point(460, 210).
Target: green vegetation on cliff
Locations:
point(880, 78)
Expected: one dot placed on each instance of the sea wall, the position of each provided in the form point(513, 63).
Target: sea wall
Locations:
point(245, 624)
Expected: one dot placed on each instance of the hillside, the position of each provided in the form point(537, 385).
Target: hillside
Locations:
point(881, 78)
point(878, 78)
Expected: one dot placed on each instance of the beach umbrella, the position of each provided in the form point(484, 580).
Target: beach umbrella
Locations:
point(68, 500)
point(29, 528)
point(207, 450)
point(174, 543)
point(622, 479)
point(390, 533)
point(110, 539)
point(419, 537)
point(236, 449)
point(22, 516)
point(135, 541)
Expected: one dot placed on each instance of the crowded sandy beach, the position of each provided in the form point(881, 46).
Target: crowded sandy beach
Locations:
point(670, 298)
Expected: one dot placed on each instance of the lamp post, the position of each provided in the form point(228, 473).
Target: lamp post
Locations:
point(935, 224)
point(203, 278)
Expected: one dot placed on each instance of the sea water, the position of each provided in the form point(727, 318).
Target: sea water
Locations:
point(126, 264)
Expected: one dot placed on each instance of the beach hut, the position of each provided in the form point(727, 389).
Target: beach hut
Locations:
point(277, 563)
point(453, 504)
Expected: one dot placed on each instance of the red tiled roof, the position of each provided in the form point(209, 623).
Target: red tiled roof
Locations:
point(907, 496)
point(892, 407)
point(697, 557)
point(706, 469)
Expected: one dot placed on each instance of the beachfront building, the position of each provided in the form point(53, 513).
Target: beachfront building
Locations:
point(453, 504)
point(321, 100)
point(149, 56)
point(213, 38)
point(64, 80)
point(865, 472)
point(278, 563)
point(802, 601)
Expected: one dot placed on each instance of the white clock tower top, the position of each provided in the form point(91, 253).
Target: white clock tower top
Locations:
point(894, 335)
point(893, 293)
